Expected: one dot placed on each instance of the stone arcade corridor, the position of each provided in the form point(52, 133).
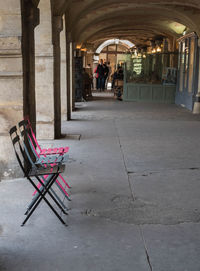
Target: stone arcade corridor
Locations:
point(135, 195)
point(134, 166)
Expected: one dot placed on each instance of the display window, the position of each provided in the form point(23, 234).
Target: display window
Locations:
point(186, 65)
point(191, 64)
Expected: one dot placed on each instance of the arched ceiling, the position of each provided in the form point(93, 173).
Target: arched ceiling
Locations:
point(92, 21)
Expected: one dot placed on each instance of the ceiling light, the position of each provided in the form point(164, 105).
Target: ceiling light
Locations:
point(158, 49)
point(153, 51)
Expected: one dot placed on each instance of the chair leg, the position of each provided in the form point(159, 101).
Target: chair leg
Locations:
point(52, 196)
point(68, 186)
point(62, 189)
point(58, 199)
point(34, 200)
point(42, 196)
point(41, 188)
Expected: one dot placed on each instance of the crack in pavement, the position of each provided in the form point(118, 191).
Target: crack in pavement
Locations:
point(132, 193)
point(123, 158)
point(147, 173)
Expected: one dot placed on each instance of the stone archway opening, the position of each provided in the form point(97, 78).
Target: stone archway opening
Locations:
point(114, 53)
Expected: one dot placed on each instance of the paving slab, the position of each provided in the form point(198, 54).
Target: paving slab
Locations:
point(168, 197)
point(155, 145)
point(173, 248)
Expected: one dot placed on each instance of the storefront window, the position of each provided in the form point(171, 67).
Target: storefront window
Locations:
point(150, 69)
point(182, 61)
point(188, 70)
point(191, 64)
point(186, 63)
point(137, 65)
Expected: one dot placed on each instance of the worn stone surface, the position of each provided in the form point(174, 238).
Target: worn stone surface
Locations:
point(173, 247)
point(121, 217)
point(44, 73)
point(11, 94)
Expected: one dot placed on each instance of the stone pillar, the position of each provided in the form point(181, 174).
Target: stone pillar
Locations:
point(196, 108)
point(11, 83)
point(57, 26)
point(30, 19)
point(68, 42)
point(44, 77)
point(63, 75)
point(72, 72)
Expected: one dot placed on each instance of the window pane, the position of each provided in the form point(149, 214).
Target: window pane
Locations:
point(191, 64)
point(182, 60)
point(186, 63)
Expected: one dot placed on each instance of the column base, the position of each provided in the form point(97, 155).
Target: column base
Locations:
point(196, 109)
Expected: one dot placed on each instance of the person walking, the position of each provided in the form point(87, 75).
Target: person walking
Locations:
point(95, 76)
point(109, 74)
point(101, 72)
point(106, 72)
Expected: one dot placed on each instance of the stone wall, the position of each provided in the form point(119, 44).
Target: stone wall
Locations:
point(11, 81)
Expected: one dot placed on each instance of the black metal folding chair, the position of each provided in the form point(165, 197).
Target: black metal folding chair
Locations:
point(28, 144)
point(32, 170)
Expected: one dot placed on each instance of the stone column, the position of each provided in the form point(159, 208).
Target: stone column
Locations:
point(57, 26)
point(30, 19)
point(63, 75)
point(72, 72)
point(68, 54)
point(44, 76)
point(196, 108)
point(11, 83)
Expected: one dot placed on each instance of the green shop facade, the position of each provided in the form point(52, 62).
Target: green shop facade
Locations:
point(164, 76)
point(150, 75)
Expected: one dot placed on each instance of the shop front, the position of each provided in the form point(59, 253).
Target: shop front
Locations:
point(187, 83)
point(150, 76)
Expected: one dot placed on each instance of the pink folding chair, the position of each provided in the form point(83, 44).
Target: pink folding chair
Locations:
point(49, 151)
point(53, 155)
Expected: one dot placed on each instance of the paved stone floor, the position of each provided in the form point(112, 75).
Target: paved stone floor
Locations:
point(134, 170)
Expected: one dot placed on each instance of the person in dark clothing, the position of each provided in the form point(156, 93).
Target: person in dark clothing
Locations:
point(86, 85)
point(114, 77)
point(101, 72)
point(106, 72)
point(118, 74)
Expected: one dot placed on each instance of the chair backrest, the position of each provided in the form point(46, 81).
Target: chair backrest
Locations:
point(28, 141)
point(19, 151)
point(35, 142)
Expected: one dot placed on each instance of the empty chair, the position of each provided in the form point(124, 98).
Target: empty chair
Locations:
point(32, 170)
point(25, 124)
point(26, 134)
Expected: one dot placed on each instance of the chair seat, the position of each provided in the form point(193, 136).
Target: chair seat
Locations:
point(54, 151)
point(45, 170)
point(52, 159)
